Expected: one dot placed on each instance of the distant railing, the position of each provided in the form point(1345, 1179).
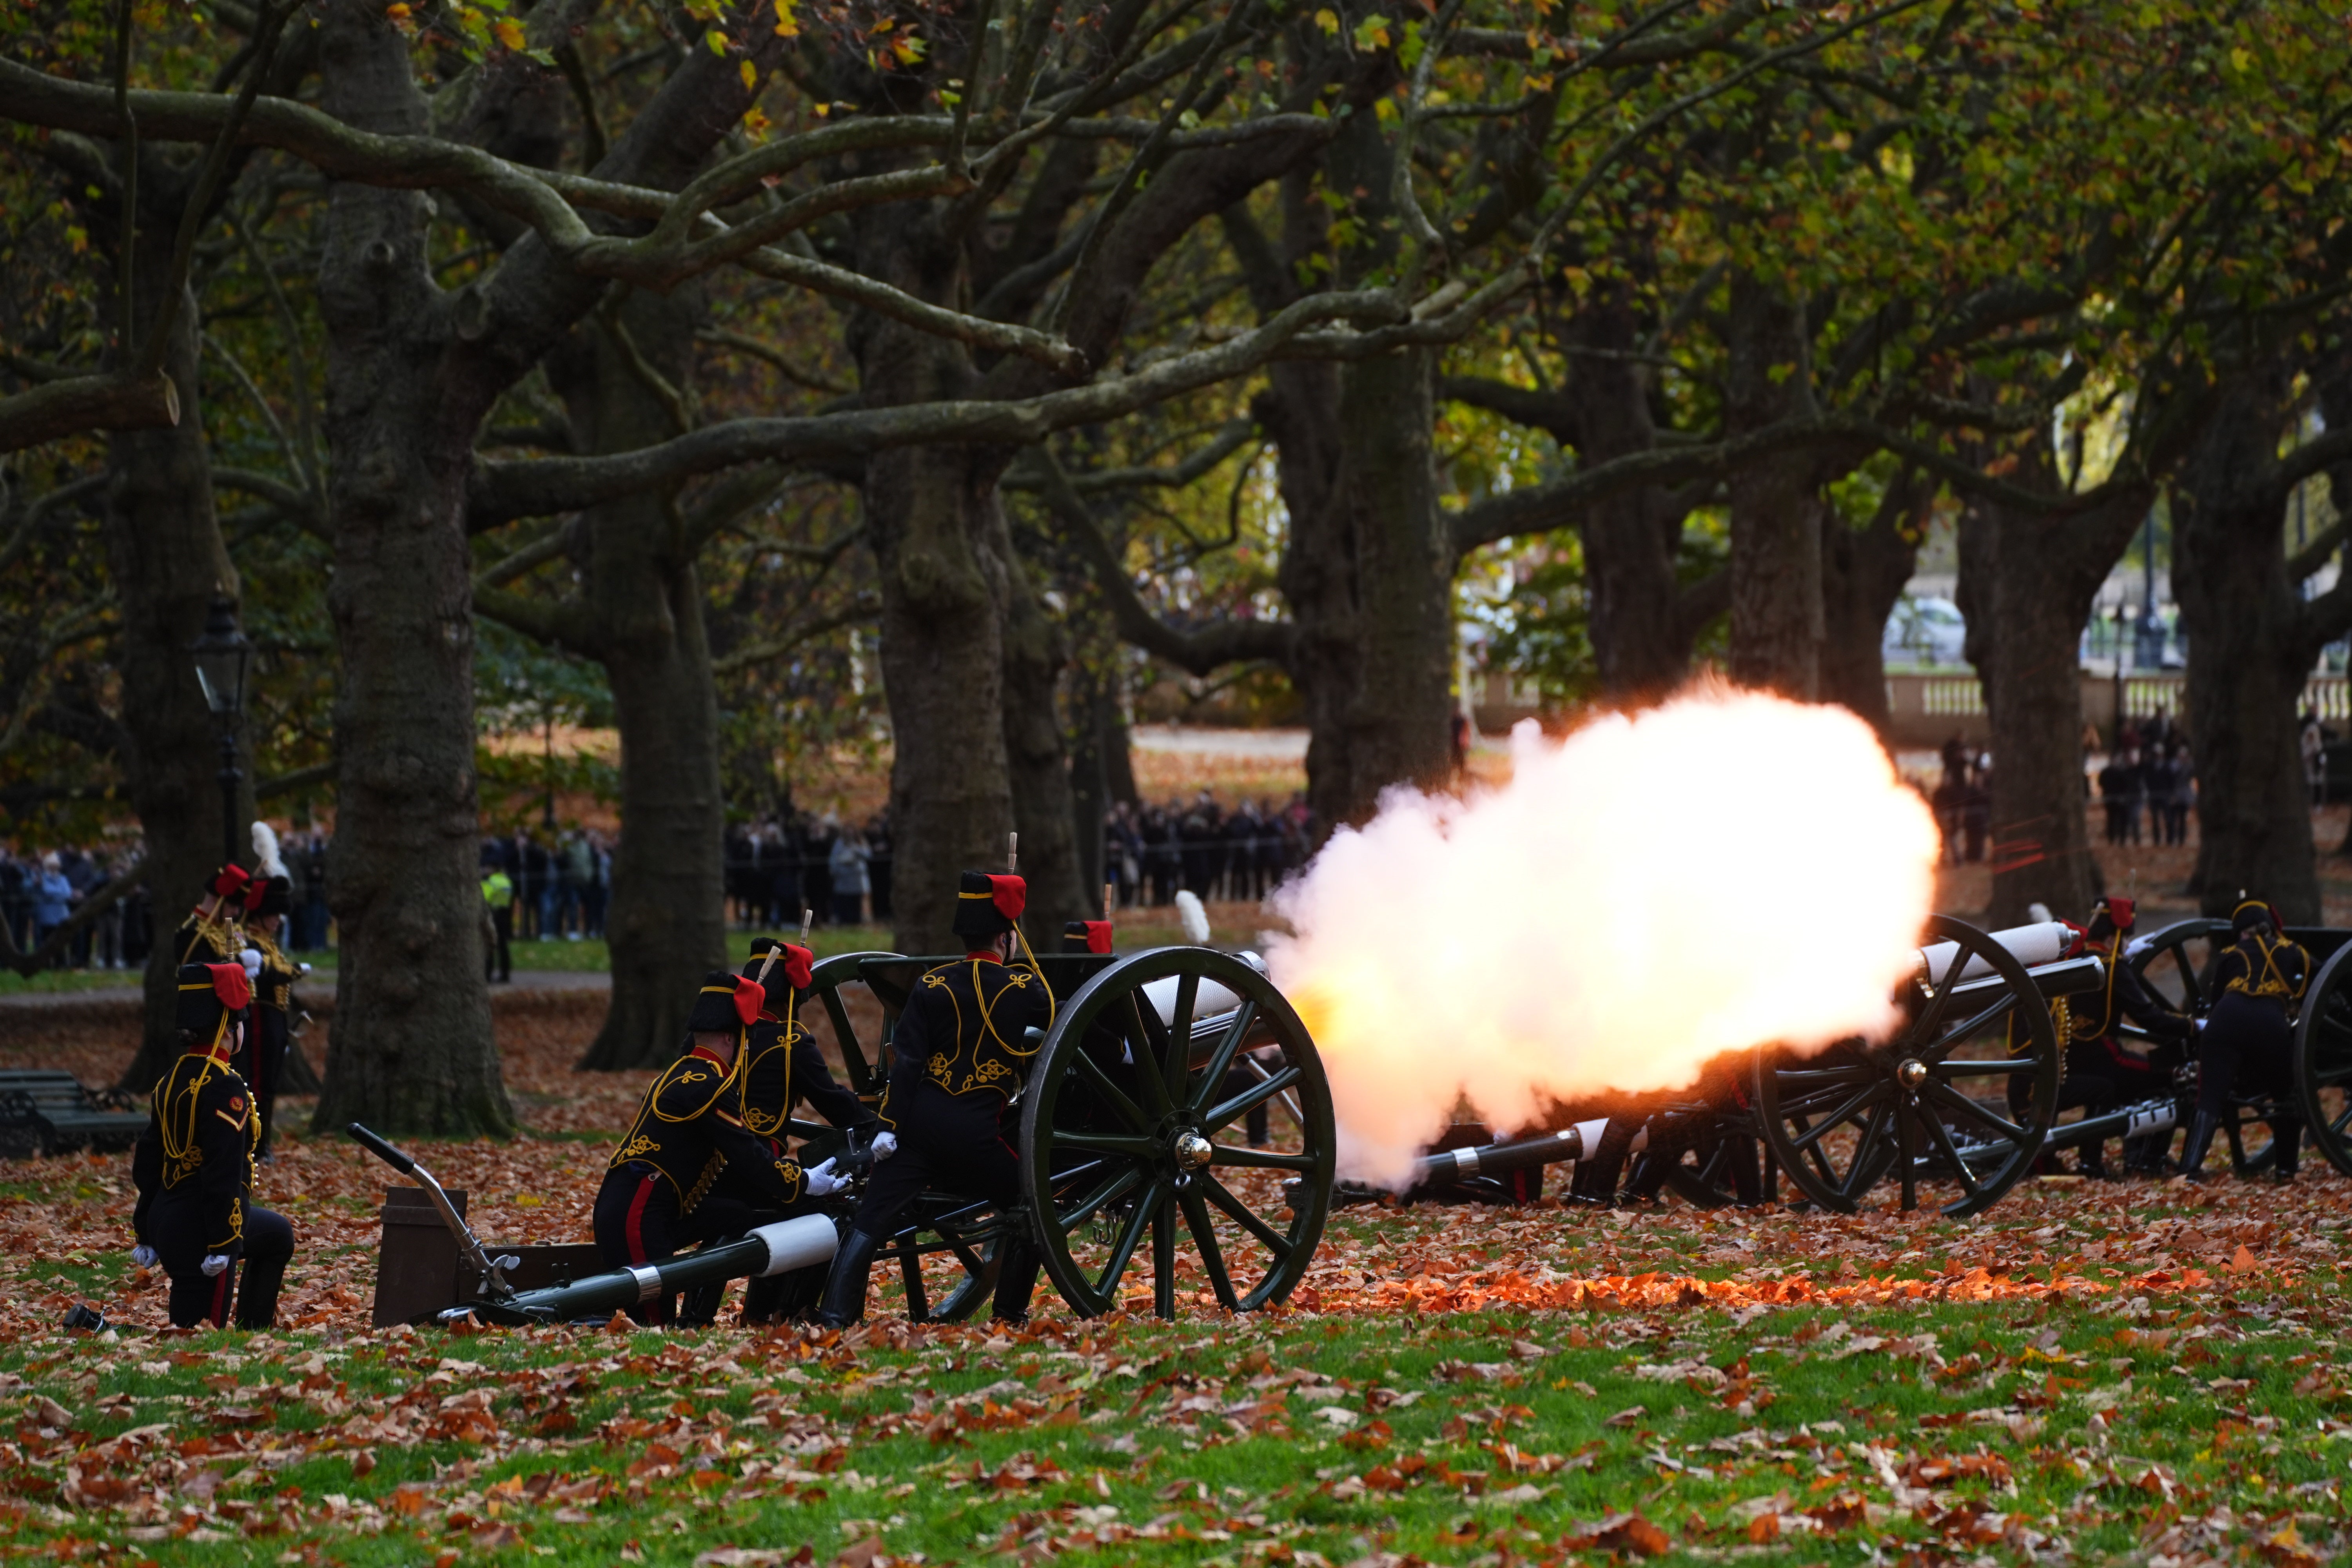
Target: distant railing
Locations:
point(1926, 708)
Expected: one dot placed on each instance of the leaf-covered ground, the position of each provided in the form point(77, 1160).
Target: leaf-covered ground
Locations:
point(2092, 1372)
point(2150, 1371)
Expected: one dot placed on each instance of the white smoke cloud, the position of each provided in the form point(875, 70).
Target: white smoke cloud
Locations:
point(1726, 869)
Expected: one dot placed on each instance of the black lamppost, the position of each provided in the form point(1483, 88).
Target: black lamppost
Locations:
point(223, 656)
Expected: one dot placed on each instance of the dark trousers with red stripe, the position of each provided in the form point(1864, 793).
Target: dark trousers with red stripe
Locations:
point(252, 1280)
point(954, 1143)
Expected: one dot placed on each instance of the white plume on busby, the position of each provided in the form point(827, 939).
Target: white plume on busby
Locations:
point(1194, 918)
point(267, 862)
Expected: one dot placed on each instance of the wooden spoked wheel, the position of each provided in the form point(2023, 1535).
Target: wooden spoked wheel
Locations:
point(1134, 1127)
point(2178, 965)
point(1708, 1157)
point(2323, 1059)
point(1931, 1104)
point(970, 1233)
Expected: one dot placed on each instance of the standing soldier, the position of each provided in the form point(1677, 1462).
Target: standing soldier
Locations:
point(269, 1032)
point(210, 933)
point(193, 1168)
point(2247, 1038)
point(961, 1052)
point(658, 1195)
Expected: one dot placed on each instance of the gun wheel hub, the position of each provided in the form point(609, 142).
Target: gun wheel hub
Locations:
point(1912, 1073)
point(1192, 1151)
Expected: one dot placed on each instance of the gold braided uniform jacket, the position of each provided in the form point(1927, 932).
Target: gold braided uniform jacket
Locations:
point(782, 1066)
point(690, 1129)
point(964, 1032)
point(2275, 971)
point(275, 988)
point(194, 1164)
point(209, 939)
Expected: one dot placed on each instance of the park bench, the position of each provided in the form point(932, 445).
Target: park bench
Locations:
point(45, 1111)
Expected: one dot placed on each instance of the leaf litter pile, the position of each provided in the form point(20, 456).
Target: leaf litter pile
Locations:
point(2091, 1371)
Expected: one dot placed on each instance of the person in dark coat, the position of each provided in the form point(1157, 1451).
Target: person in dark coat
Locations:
point(270, 1034)
point(2247, 1042)
point(2100, 1072)
point(658, 1194)
point(962, 1053)
point(781, 1067)
point(193, 1168)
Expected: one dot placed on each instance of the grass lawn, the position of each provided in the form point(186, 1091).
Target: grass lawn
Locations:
point(2090, 1373)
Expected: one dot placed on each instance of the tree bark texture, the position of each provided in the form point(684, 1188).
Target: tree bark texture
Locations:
point(1640, 631)
point(166, 559)
point(1778, 618)
point(640, 615)
point(1045, 805)
point(2251, 659)
point(411, 1048)
point(2032, 579)
point(1862, 573)
point(930, 519)
point(1369, 577)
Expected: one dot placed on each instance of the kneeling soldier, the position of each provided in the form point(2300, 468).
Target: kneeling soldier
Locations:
point(658, 1196)
point(2248, 1038)
point(193, 1168)
point(962, 1050)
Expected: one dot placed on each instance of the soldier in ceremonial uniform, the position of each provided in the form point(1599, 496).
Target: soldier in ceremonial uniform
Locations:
point(2247, 1039)
point(268, 1028)
point(781, 1067)
point(193, 1168)
point(658, 1194)
point(210, 933)
point(2101, 1073)
point(962, 1053)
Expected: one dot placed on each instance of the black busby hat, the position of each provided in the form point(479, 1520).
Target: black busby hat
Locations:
point(272, 896)
point(2256, 911)
point(793, 961)
point(209, 993)
point(1086, 936)
point(988, 903)
point(726, 1004)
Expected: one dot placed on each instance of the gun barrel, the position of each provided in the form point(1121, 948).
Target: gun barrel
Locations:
point(788, 1244)
point(2124, 1121)
point(1491, 1159)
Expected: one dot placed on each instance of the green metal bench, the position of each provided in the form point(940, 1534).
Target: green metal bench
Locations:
point(45, 1111)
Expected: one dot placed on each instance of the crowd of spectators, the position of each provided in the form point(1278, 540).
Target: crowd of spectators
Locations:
point(2149, 777)
point(557, 885)
point(41, 889)
point(1151, 851)
point(839, 872)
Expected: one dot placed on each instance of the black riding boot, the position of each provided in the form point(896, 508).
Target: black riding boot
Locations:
point(2287, 1134)
point(1017, 1281)
point(2091, 1161)
point(844, 1287)
point(2200, 1138)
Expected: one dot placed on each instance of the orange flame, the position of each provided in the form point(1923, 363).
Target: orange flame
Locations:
point(1728, 868)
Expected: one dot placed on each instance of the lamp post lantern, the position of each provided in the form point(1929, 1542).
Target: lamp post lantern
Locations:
point(223, 656)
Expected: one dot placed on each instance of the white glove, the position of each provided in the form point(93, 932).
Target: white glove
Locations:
point(214, 1265)
point(302, 969)
point(251, 959)
point(886, 1144)
point(143, 1256)
point(822, 1182)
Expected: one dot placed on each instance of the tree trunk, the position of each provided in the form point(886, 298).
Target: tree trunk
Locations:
point(641, 616)
point(1778, 618)
point(1640, 636)
point(411, 1048)
point(2250, 662)
point(2033, 577)
point(1090, 796)
point(166, 560)
point(1862, 573)
point(1043, 802)
point(1369, 577)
